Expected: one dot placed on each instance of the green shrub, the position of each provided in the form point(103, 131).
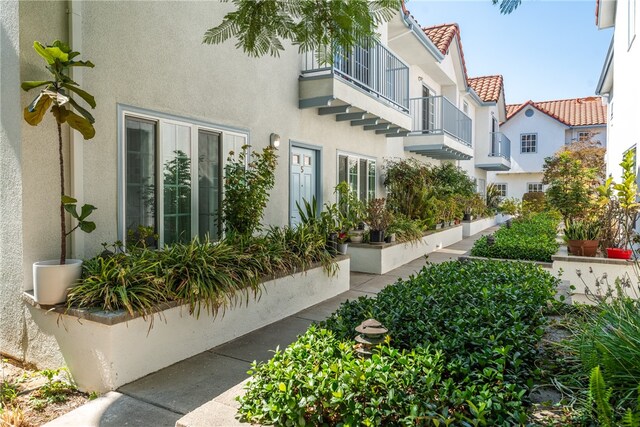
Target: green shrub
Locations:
point(463, 339)
point(533, 202)
point(532, 238)
point(246, 189)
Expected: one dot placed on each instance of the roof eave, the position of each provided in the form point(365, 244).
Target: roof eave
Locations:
point(606, 14)
point(605, 82)
point(421, 36)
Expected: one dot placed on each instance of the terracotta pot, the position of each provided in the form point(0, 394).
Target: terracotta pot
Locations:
point(618, 253)
point(583, 247)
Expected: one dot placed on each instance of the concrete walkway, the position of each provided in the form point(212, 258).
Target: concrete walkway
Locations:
point(200, 391)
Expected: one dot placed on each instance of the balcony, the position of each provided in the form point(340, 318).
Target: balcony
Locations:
point(368, 87)
point(439, 129)
point(496, 154)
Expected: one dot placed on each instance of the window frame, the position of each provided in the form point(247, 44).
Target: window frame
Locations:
point(587, 136)
point(535, 141)
point(529, 184)
point(226, 141)
point(357, 158)
point(504, 190)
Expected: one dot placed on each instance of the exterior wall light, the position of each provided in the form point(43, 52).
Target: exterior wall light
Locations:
point(274, 140)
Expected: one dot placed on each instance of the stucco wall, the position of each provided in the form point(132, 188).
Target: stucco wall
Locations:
point(517, 184)
point(11, 272)
point(623, 107)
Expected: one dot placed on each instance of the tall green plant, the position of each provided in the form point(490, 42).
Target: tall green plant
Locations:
point(247, 189)
point(59, 58)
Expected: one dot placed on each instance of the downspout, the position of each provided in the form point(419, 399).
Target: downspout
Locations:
point(76, 141)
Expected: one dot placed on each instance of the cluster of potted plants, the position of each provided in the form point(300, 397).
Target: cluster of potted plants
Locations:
point(612, 225)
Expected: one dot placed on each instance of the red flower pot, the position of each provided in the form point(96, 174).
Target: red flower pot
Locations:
point(618, 253)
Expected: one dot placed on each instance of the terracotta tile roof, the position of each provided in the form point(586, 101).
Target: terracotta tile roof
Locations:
point(572, 112)
point(442, 36)
point(488, 88)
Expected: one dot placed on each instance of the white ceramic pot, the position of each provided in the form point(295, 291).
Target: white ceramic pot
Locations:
point(51, 280)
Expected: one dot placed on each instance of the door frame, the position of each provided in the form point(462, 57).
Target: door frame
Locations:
point(318, 173)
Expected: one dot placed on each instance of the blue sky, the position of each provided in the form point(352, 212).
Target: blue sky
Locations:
point(544, 49)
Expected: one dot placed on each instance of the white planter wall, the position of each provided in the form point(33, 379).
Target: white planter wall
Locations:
point(565, 267)
point(382, 259)
point(103, 357)
point(474, 227)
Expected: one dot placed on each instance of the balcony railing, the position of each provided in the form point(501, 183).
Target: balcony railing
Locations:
point(500, 145)
point(375, 70)
point(436, 115)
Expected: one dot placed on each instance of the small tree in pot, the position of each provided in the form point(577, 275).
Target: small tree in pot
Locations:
point(60, 58)
point(378, 219)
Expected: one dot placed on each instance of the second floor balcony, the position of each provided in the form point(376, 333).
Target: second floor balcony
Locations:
point(368, 86)
point(439, 129)
point(495, 154)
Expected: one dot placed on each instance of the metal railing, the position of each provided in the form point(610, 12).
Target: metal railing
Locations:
point(375, 69)
point(437, 115)
point(500, 145)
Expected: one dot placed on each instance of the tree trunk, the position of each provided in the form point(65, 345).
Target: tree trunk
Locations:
point(63, 231)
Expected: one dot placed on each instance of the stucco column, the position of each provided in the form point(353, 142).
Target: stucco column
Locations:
point(12, 317)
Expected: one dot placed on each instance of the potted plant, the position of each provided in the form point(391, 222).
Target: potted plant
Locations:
point(620, 211)
point(582, 237)
point(52, 278)
point(352, 211)
point(378, 218)
point(343, 236)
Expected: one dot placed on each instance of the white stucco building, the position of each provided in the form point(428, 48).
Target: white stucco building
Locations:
point(619, 83)
point(538, 130)
point(162, 94)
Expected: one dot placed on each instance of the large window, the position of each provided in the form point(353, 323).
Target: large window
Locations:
point(360, 173)
point(528, 143)
point(172, 174)
point(534, 187)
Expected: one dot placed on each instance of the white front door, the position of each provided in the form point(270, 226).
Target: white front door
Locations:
point(303, 180)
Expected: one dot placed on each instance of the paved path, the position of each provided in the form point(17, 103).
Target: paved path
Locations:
point(200, 391)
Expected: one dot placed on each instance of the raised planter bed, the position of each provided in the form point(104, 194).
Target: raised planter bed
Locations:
point(469, 228)
point(104, 350)
point(380, 259)
point(591, 268)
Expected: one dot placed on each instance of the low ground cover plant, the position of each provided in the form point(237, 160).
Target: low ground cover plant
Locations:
point(461, 346)
point(205, 275)
point(530, 238)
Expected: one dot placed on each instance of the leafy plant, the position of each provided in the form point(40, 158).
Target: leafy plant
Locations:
point(56, 94)
point(56, 389)
point(406, 230)
point(582, 230)
point(533, 202)
point(510, 206)
point(493, 197)
point(247, 188)
point(378, 217)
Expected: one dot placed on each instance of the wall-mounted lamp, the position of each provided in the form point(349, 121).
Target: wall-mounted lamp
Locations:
point(420, 78)
point(274, 140)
